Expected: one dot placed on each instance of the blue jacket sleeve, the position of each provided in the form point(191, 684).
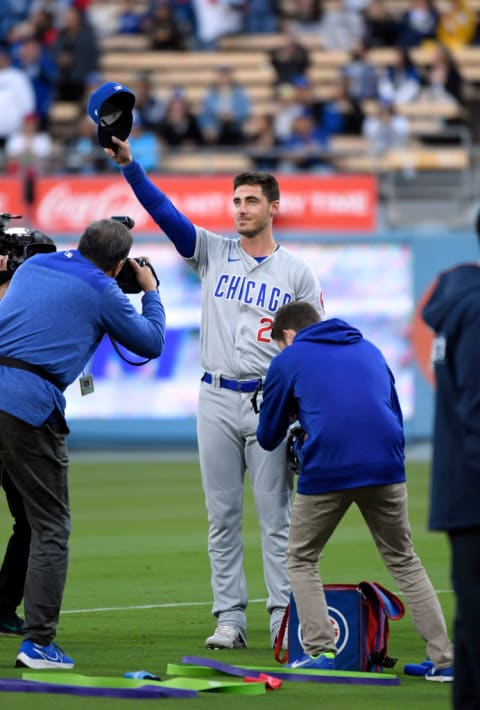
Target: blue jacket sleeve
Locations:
point(161, 209)
point(142, 334)
point(275, 408)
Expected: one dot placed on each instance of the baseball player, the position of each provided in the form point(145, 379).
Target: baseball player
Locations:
point(244, 281)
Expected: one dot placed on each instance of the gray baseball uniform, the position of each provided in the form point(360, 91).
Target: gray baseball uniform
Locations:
point(239, 299)
point(240, 295)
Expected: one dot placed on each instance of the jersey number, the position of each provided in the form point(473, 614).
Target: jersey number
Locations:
point(265, 328)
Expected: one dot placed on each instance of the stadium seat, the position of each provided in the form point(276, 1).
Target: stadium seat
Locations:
point(205, 162)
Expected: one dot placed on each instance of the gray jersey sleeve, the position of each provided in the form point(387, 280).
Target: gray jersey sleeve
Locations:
point(239, 300)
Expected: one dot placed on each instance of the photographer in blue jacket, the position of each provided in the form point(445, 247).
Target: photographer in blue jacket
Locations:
point(56, 310)
point(342, 392)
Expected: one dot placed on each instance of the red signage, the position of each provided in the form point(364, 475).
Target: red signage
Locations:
point(67, 204)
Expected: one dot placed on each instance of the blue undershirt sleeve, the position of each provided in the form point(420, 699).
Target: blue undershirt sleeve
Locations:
point(178, 228)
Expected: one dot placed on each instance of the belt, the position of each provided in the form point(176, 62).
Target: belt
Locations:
point(36, 369)
point(235, 385)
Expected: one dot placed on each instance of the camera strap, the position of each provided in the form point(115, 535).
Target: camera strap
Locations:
point(36, 369)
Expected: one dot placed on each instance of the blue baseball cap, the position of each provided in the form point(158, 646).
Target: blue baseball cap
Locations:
point(110, 107)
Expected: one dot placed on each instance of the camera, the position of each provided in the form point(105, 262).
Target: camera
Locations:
point(127, 278)
point(20, 243)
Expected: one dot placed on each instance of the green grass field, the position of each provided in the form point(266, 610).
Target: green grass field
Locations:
point(138, 591)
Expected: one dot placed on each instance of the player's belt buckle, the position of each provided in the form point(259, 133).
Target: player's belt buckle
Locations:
point(245, 385)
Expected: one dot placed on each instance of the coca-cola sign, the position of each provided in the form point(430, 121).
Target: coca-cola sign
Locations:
point(68, 205)
point(65, 205)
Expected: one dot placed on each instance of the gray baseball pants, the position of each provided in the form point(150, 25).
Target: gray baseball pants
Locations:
point(228, 447)
point(384, 509)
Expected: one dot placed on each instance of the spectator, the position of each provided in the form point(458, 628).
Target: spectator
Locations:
point(306, 17)
point(216, 20)
point(361, 75)
point(400, 82)
point(341, 28)
point(162, 29)
point(358, 5)
point(103, 16)
point(129, 18)
point(17, 98)
point(13, 12)
point(260, 16)
point(290, 59)
point(145, 144)
point(305, 97)
point(262, 144)
point(444, 81)
point(29, 148)
point(418, 24)
point(38, 65)
point(83, 154)
point(179, 127)
point(457, 25)
point(225, 109)
point(17, 35)
point(386, 129)
point(342, 114)
point(287, 108)
point(76, 53)
point(186, 19)
point(149, 107)
point(43, 26)
point(381, 26)
point(305, 149)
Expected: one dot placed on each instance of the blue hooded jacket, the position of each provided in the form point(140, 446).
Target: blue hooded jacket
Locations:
point(340, 388)
point(453, 312)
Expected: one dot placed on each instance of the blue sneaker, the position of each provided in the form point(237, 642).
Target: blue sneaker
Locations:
point(32, 655)
point(418, 669)
point(322, 662)
point(441, 675)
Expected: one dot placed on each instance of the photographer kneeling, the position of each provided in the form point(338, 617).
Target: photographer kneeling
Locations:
point(52, 318)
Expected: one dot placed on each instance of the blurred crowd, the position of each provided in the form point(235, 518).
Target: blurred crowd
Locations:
point(50, 51)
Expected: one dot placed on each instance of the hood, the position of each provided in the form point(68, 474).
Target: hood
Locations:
point(332, 330)
point(454, 291)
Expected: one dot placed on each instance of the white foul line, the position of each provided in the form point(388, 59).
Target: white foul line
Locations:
point(180, 604)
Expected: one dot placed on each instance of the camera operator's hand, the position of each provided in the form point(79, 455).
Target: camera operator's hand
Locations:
point(122, 155)
point(3, 262)
point(145, 276)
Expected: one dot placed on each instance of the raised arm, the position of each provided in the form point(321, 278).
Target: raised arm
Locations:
point(178, 228)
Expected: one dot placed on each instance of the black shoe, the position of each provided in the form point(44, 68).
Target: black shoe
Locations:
point(11, 625)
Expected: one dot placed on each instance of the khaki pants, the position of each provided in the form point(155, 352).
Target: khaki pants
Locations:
point(384, 508)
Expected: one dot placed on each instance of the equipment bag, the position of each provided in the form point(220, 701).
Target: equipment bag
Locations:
point(360, 617)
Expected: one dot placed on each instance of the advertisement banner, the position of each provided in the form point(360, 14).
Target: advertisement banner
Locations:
point(11, 196)
point(66, 204)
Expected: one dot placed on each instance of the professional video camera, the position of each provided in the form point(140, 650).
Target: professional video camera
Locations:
point(19, 243)
point(127, 278)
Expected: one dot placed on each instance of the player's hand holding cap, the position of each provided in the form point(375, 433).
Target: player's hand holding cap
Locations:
point(110, 107)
